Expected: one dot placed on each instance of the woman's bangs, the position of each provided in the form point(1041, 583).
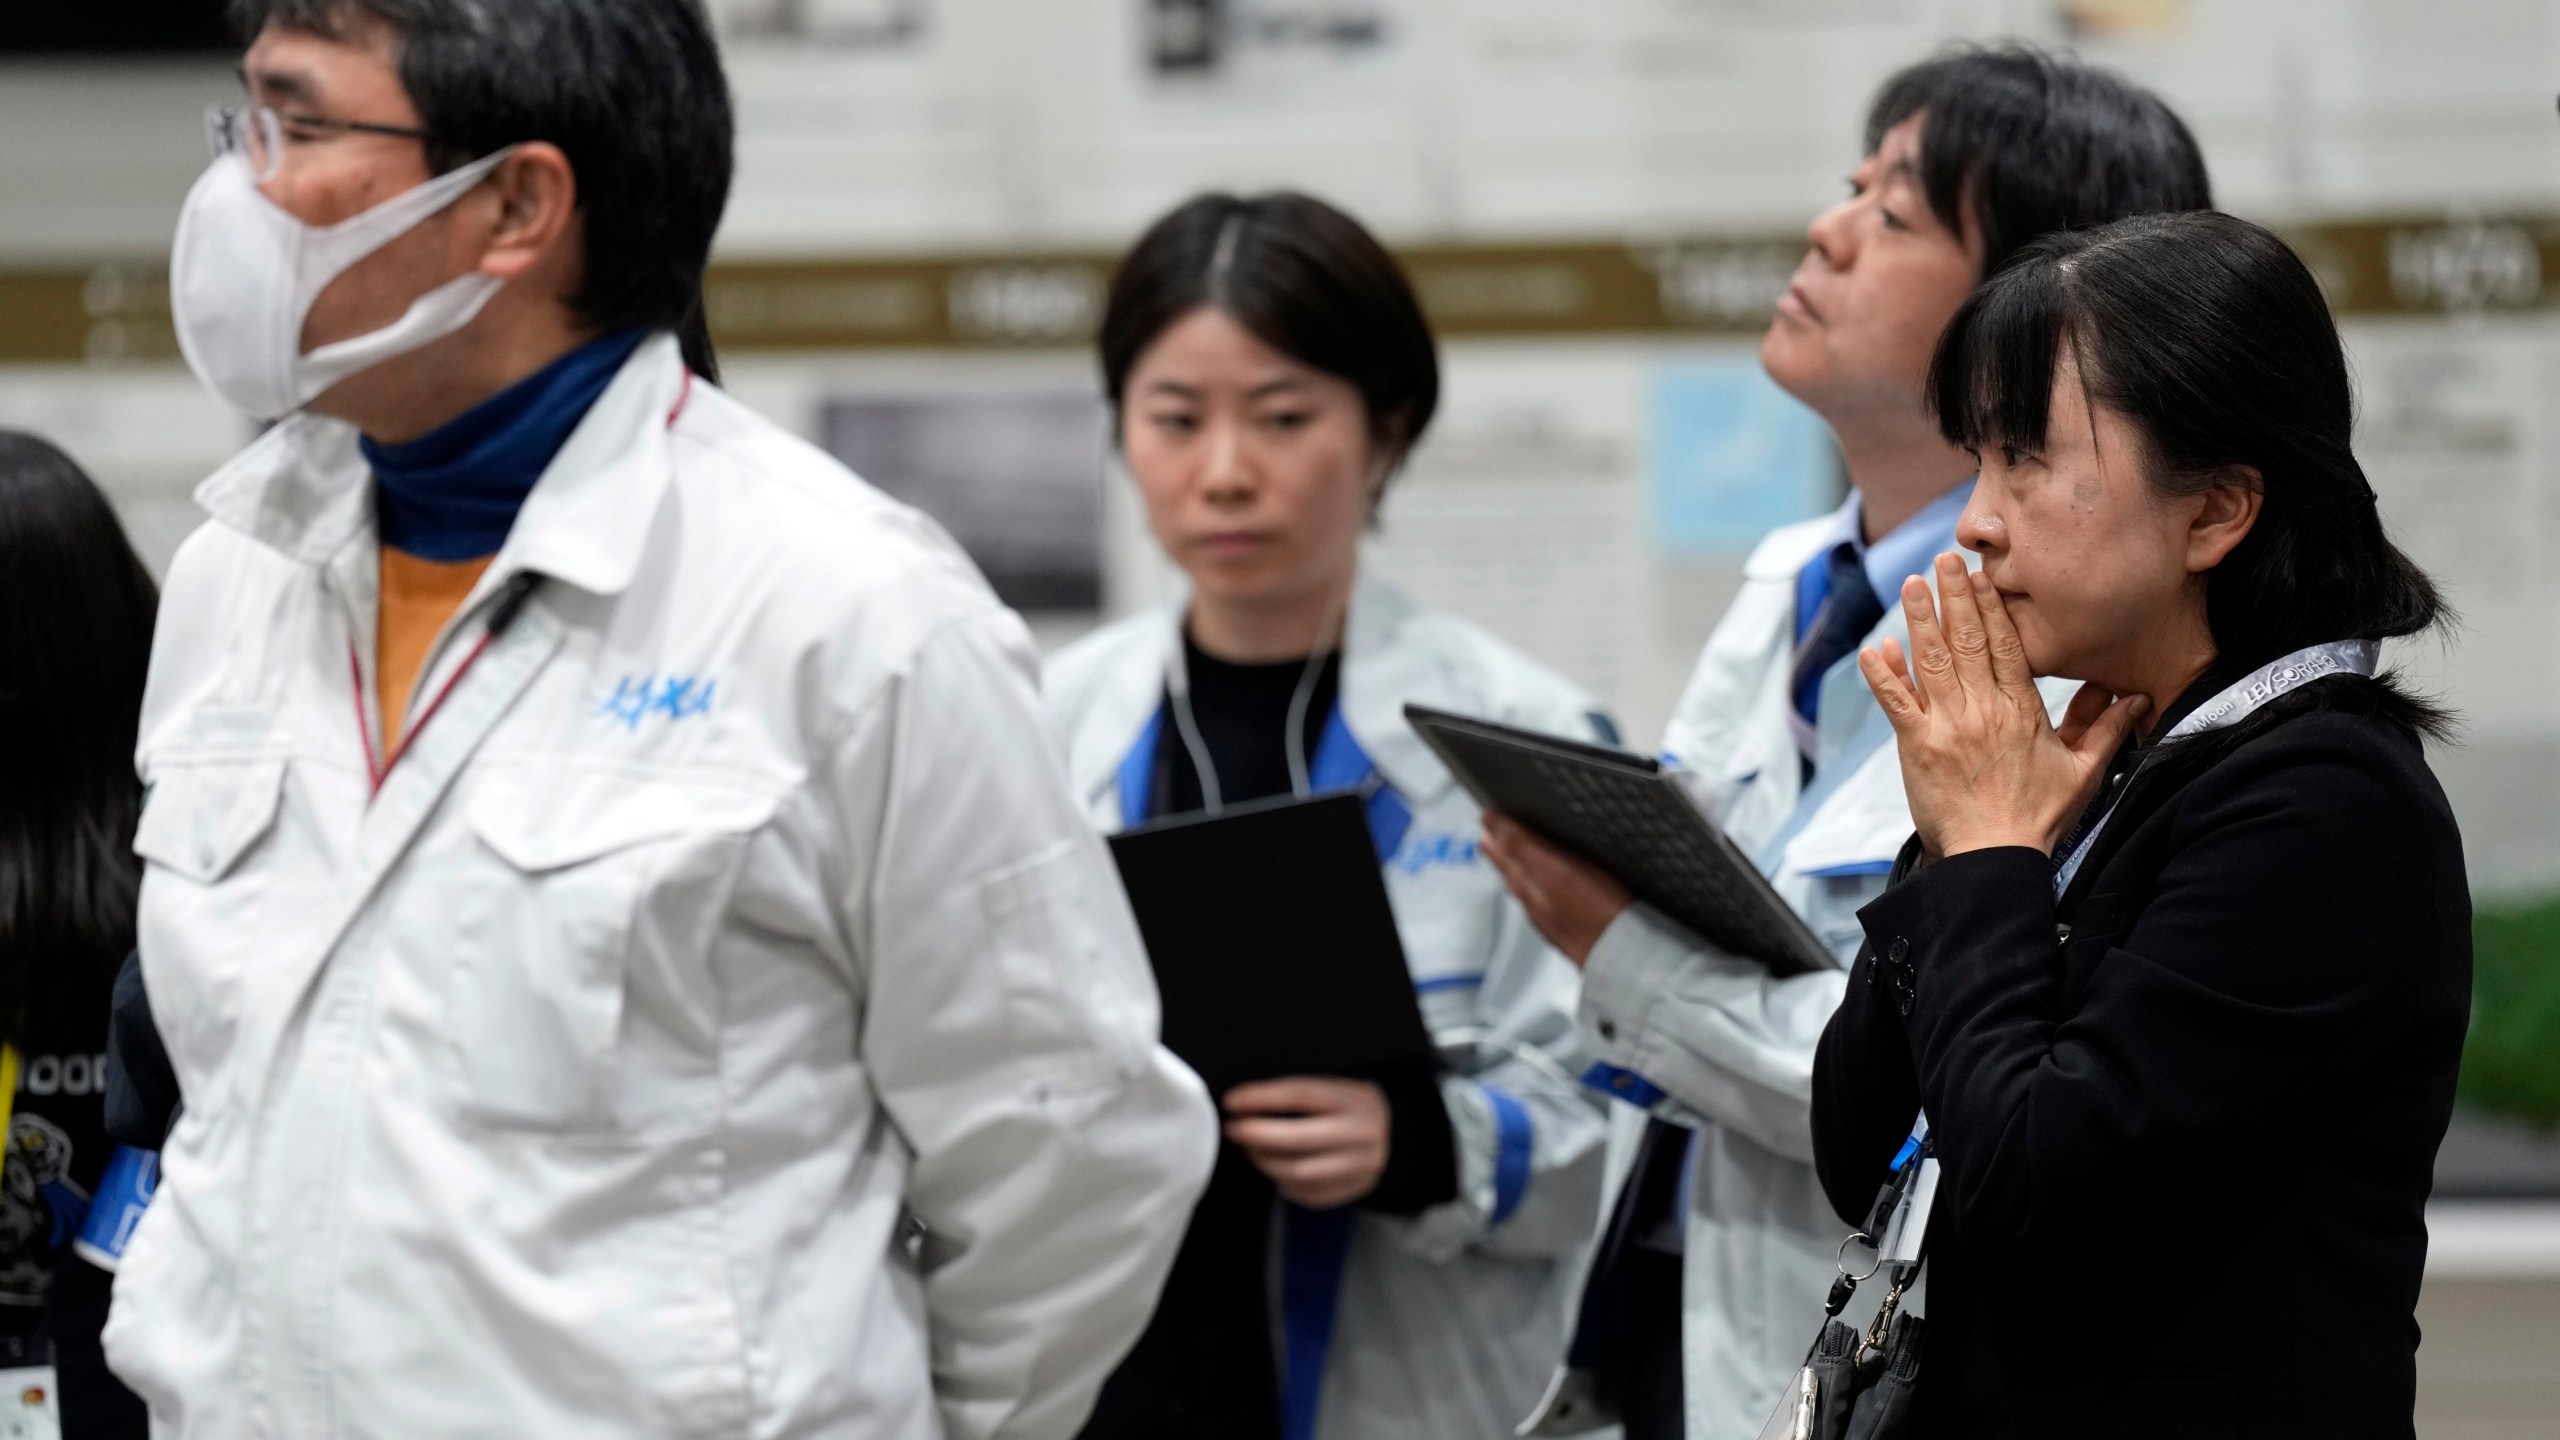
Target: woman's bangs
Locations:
point(1991, 383)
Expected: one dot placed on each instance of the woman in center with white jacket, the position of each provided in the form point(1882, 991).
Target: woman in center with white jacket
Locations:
point(1379, 1256)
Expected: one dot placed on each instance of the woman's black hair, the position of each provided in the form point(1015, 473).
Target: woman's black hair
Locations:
point(76, 611)
point(1303, 278)
point(2021, 142)
point(2208, 335)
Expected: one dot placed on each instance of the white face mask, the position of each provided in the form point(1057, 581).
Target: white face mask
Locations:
point(244, 273)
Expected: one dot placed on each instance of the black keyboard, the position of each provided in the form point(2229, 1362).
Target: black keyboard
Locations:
point(1623, 814)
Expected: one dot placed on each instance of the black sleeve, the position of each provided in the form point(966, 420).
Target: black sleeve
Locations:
point(1422, 1150)
point(142, 1091)
point(2284, 943)
point(1865, 1092)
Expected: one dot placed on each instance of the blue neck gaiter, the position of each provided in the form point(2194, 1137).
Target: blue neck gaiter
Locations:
point(453, 493)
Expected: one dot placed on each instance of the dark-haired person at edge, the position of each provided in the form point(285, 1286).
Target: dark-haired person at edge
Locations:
point(619, 924)
point(1718, 1249)
point(76, 608)
point(1378, 1256)
point(2181, 984)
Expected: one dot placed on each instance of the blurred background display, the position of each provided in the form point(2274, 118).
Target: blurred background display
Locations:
point(1016, 479)
point(1599, 200)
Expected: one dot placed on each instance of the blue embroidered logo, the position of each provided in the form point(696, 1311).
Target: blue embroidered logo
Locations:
point(1424, 852)
point(637, 697)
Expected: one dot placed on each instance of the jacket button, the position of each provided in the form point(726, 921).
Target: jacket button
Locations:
point(1608, 1029)
point(1899, 950)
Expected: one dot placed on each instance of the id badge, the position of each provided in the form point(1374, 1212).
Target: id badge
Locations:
point(30, 1401)
point(29, 1408)
point(1902, 1239)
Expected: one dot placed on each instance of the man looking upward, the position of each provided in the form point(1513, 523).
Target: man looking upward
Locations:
point(1715, 1261)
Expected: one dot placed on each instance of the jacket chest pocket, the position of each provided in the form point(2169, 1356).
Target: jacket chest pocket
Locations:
point(579, 997)
point(202, 910)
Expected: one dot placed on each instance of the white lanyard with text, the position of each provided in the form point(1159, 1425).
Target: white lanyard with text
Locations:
point(2245, 697)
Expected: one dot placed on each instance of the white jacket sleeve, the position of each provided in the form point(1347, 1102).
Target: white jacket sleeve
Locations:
point(1531, 1140)
point(1718, 1036)
point(1010, 1024)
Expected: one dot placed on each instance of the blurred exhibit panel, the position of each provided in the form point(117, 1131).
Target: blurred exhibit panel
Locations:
point(1016, 479)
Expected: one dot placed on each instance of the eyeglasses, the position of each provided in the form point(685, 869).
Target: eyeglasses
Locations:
point(260, 131)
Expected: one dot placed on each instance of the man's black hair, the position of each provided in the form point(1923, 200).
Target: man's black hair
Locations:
point(2210, 336)
point(630, 90)
point(1303, 278)
point(2017, 142)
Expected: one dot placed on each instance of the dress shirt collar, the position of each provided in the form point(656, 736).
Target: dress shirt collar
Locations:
point(1912, 545)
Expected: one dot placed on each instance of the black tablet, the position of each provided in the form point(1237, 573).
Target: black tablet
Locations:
point(1274, 948)
point(1622, 813)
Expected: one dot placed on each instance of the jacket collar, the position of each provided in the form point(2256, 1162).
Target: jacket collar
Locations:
point(304, 488)
point(1386, 664)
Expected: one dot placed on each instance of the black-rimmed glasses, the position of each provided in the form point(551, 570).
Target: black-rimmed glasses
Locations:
point(259, 131)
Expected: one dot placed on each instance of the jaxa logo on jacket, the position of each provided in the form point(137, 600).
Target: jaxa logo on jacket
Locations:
point(1444, 1327)
point(727, 932)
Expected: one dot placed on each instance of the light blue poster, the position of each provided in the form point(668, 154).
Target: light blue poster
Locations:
point(1734, 457)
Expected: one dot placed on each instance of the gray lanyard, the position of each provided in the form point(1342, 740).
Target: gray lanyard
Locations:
point(2245, 697)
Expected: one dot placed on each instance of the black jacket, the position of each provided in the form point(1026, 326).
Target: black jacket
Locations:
point(2187, 1115)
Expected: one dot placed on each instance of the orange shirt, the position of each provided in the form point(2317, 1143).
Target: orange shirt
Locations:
point(418, 597)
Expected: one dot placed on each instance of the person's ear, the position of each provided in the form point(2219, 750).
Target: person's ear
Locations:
point(2229, 512)
point(537, 204)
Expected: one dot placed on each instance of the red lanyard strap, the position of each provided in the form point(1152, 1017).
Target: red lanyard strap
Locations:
point(510, 605)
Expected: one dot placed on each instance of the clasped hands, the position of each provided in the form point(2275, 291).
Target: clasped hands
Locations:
point(1982, 764)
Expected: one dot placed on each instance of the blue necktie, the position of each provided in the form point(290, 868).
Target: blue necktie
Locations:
point(1848, 612)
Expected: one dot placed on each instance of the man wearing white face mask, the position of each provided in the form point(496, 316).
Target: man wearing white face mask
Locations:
point(630, 953)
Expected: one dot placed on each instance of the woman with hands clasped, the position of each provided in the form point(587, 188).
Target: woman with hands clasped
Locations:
point(2181, 983)
point(1377, 1255)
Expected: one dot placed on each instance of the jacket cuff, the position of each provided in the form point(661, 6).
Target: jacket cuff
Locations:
point(1929, 934)
point(1629, 967)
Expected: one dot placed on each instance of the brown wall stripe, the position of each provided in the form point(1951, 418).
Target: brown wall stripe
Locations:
point(117, 311)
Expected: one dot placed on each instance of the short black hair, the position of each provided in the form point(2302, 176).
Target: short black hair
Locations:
point(2212, 338)
point(630, 90)
point(1303, 278)
point(2020, 141)
point(76, 613)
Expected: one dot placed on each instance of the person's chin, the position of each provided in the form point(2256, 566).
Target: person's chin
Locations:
point(2045, 660)
point(1791, 354)
point(1233, 575)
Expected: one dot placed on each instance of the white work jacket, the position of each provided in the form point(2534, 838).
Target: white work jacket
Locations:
point(1447, 1325)
point(723, 1021)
